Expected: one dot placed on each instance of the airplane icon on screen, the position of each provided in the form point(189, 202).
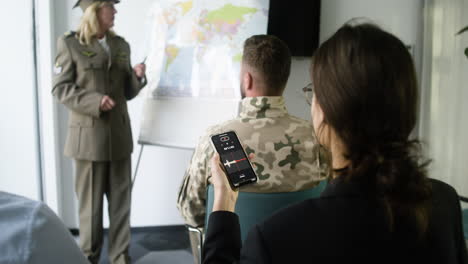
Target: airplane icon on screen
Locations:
point(229, 163)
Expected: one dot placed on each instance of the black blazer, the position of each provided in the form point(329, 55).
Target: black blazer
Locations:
point(342, 226)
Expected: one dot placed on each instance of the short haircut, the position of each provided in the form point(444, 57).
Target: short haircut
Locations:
point(271, 57)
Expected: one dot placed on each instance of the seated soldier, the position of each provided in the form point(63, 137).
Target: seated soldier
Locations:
point(286, 153)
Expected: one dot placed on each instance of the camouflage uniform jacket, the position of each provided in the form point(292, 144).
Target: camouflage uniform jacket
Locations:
point(286, 155)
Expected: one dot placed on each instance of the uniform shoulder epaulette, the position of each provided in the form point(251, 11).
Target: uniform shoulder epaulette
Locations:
point(69, 33)
point(119, 37)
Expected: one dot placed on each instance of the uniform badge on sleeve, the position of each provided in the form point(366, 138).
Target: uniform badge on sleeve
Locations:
point(57, 68)
point(122, 56)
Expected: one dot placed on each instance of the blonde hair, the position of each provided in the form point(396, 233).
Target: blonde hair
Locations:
point(89, 26)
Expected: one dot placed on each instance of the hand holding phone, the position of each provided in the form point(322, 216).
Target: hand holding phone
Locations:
point(233, 158)
point(225, 198)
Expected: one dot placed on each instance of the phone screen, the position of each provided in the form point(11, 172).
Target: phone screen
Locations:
point(234, 160)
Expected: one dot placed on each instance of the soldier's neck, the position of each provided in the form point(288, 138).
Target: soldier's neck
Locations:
point(101, 35)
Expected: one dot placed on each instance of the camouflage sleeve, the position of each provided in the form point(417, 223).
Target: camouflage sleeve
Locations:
point(192, 193)
point(315, 160)
point(65, 89)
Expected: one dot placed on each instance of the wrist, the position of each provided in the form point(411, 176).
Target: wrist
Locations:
point(225, 200)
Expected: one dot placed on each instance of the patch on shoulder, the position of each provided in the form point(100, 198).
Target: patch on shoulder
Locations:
point(69, 33)
point(57, 68)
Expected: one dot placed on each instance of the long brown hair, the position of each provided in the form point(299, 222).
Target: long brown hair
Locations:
point(365, 84)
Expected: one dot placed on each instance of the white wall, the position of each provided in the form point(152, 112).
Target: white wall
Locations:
point(404, 18)
point(399, 16)
point(65, 19)
point(162, 169)
point(19, 154)
point(293, 94)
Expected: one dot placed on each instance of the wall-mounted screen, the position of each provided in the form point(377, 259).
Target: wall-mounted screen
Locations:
point(297, 23)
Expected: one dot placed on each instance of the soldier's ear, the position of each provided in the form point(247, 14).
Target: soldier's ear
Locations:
point(247, 81)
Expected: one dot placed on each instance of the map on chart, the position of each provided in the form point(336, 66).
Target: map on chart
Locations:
point(196, 46)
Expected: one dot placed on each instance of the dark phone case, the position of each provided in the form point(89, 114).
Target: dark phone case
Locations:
point(224, 168)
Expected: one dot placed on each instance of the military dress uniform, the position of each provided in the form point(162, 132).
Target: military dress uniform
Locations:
point(99, 142)
point(287, 156)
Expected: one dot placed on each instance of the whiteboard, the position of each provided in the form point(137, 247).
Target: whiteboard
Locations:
point(179, 122)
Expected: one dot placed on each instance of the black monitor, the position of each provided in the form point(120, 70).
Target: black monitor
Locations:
point(297, 23)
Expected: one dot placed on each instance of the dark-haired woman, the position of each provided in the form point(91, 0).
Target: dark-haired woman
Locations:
point(379, 205)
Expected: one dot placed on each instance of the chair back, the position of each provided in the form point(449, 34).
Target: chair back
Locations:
point(465, 223)
point(464, 216)
point(252, 208)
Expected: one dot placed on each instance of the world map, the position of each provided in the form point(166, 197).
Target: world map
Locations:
point(196, 46)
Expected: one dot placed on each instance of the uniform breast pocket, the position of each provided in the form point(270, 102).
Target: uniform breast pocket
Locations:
point(92, 66)
point(95, 72)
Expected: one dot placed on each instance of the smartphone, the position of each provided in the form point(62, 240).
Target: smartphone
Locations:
point(236, 164)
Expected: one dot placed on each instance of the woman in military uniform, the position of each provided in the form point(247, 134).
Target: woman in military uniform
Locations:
point(94, 79)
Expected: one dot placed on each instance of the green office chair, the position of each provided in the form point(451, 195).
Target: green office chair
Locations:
point(252, 208)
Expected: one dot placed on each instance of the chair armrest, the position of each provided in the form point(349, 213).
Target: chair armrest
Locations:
point(197, 231)
point(463, 199)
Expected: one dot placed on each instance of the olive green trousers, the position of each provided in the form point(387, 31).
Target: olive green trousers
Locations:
point(94, 180)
